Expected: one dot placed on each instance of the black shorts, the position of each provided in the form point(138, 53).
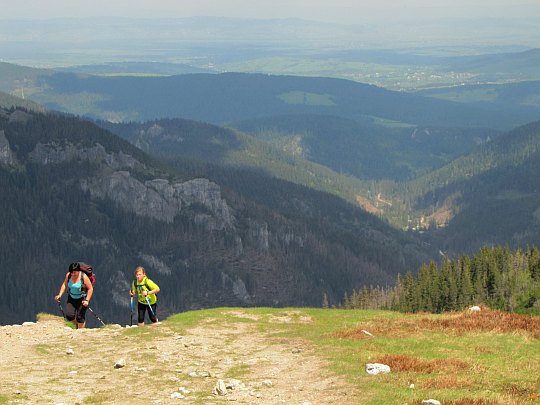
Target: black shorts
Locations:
point(75, 310)
point(152, 314)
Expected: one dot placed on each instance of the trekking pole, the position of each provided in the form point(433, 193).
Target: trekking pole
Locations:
point(131, 307)
point(61, 310)
point(98, 318)
point(150, 306)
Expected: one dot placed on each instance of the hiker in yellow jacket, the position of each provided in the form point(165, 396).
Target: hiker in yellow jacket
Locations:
point(146, 291)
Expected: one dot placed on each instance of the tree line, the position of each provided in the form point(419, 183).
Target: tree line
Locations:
point(496, 277)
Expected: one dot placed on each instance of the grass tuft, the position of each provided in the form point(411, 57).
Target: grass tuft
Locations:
point(402, 362)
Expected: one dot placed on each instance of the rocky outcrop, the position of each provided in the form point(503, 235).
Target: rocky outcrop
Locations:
point(238, 288)
point(156, 198)
point(160, 199)
point(155, 263)
point(6, 154)
point(52, 153)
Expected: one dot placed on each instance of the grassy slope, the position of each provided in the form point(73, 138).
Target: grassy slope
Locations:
point(489, 356)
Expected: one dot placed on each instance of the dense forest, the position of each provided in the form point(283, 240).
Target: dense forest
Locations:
point(499, 278)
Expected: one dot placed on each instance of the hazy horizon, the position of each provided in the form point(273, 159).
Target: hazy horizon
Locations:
point(63, 33)
point(336, 11)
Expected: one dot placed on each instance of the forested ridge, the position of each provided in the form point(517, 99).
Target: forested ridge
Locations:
point(499, 278)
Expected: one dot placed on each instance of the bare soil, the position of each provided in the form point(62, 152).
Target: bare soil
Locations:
point(48, 363)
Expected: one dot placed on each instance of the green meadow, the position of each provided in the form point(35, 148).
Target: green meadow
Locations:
point(457, 358)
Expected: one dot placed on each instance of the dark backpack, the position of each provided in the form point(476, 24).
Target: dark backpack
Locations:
point(85, 268)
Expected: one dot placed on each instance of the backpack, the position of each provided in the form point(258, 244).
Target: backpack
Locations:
point(85, 268)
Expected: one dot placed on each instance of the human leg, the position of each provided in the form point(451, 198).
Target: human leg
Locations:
point(81, 316)
point(141, 309)
point(71, 310)
point(153, 313)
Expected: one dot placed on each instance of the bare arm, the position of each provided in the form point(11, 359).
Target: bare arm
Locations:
point(154, 287)
point(89, 288)
point(62, 288)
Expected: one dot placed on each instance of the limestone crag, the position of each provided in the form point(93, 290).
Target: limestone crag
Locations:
point(161, 199)
point(53, 153)
point(157, 198)
point(6, 154)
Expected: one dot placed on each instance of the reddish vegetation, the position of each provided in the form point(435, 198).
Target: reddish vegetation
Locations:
point(470, 401)
point(465, 322)
point(401, 362)
point(445, 382)
point(486, 321)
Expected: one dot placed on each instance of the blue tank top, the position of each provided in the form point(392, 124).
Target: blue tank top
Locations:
point(75, 289)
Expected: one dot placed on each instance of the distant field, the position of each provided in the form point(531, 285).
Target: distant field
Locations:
point(457, 358)
point(301, 97)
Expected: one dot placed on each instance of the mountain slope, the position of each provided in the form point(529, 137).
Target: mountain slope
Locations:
point(73, 191)
point(493, 193)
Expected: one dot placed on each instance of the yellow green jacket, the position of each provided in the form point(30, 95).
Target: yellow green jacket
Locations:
point(145, 285)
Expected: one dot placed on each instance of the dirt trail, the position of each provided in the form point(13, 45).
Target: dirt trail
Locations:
point(37, 367)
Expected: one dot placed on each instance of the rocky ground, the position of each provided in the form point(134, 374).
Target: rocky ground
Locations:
point(47, 362)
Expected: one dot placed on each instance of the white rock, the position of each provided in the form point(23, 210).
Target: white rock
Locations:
point(70, 351)
point(267, 383)
point(184, 390)
point(176, 395)
point(475, 308)
point(220, 388)
point(377, 368)
point(234, 384)
point(120, 363)
point(411, 386)
point(431, 402)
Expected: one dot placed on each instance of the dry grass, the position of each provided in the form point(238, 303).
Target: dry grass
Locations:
point(402, 362)
point(471, 401)
point(446, 382)
point(458, 323)
point(486, 321)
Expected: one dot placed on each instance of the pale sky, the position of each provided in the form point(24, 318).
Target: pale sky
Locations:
point(344, 11)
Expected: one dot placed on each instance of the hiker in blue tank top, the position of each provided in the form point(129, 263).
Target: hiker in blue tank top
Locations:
point(145, 290)
point(80, 290)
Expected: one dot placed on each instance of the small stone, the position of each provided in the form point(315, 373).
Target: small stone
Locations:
point(70, 351)
point(120, 363)
point(296, 350)
point(177, 395)
point(220, 388)
point(431, 402)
